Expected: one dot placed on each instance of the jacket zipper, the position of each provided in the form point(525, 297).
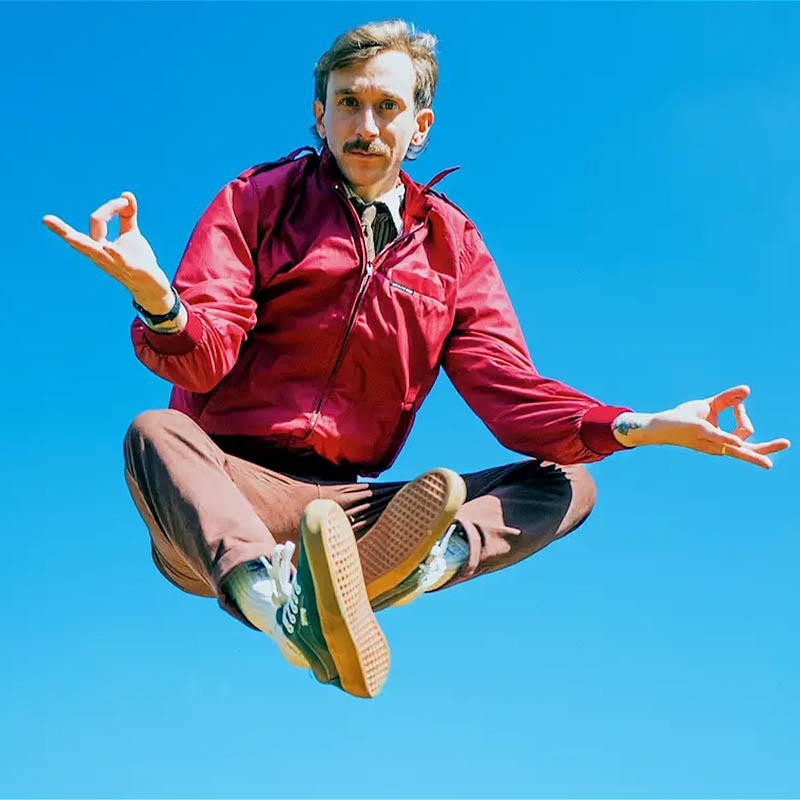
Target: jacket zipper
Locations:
point(365, 279)
point(353, 313)
point(369, 270)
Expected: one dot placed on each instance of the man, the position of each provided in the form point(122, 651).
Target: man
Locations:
point(314, 304)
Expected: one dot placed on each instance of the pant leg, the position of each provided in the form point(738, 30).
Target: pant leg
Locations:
point(206, 510)
point(510, 511)
point(513, 511)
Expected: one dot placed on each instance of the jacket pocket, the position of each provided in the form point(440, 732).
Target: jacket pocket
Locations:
point(414, 283)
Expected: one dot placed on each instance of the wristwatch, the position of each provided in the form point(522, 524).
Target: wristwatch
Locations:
point(157, 319)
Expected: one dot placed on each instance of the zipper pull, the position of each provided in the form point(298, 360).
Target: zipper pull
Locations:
point(370, 269)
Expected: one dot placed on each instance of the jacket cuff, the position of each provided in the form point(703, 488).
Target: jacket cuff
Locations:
point(175, 344)
point(596, 431)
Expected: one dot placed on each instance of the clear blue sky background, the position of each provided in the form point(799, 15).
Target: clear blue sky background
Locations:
point(635, 171)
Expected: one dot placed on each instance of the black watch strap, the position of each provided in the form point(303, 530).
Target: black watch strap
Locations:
point(157, 319)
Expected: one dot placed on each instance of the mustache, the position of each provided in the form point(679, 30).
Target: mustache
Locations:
point(359, 146)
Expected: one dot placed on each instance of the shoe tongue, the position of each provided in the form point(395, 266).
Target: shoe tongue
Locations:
point(458, 545)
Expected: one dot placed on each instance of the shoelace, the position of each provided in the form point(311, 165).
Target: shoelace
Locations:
point(434, 566)
point(285, 588)
point(279, 571)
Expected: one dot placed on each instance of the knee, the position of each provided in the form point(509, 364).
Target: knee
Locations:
point(584, 496)
point(146, 426)
point(584, 490)
point(145, 433)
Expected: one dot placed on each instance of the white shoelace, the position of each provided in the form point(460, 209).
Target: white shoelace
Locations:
point(279, 571)
point(435, 565)
point(285, 588)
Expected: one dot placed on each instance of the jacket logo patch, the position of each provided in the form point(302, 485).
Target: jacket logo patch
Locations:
point(401, 287)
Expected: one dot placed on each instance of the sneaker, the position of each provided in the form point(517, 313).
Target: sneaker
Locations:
point(259, 588)
point(327, 615)
point(446, 557)
point(320, 616)
point(414, 520)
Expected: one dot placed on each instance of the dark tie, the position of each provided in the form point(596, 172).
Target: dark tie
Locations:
point(377, 223)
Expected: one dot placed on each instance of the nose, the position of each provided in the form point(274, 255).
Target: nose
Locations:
point(367, 127)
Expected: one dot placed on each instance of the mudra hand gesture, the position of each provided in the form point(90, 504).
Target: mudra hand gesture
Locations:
point(694, 425)
point(129, 260)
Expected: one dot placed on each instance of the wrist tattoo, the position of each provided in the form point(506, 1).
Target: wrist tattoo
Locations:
point(626, 427)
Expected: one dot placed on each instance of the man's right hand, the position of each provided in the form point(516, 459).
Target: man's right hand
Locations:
point(129, 259)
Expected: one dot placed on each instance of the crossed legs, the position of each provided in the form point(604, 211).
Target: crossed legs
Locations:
point(208, 511)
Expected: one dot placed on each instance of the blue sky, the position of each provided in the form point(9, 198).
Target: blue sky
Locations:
point(634, 170)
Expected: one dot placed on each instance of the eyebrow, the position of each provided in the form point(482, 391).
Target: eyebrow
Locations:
point(351, 90)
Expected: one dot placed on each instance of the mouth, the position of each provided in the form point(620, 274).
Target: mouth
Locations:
point(363, 155)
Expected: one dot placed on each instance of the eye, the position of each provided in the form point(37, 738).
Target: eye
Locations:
point(350, 102)
point(388, 105)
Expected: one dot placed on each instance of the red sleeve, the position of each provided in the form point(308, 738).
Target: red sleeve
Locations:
point(215, 280)
point(489, 365)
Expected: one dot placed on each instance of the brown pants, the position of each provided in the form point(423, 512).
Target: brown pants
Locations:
point(211, 503)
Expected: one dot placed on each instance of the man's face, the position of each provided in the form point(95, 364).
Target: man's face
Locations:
point(369, 120)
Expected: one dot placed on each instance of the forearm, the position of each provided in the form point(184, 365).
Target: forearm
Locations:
point(629, 428)
point(527, 412)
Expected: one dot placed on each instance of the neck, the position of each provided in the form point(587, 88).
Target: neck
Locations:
point(369, 192)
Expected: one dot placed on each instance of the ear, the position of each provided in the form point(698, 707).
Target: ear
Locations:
point(319, 113)
point(424, 122)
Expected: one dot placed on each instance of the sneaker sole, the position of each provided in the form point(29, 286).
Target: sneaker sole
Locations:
point(355, 641)
point(413, 521)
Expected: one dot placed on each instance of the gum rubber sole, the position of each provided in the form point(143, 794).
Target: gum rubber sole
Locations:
point(410, 525)
point(355, 641)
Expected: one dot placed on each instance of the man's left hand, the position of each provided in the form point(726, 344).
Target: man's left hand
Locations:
point(694, 425)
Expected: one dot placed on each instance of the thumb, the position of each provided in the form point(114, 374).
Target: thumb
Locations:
point(128, 216)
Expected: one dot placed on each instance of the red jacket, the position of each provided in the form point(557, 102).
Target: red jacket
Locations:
point(294, 337)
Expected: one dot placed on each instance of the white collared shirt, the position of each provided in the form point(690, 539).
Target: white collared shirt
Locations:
point(393, 200)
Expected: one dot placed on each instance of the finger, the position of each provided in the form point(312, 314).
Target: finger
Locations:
point(68, 233)
point(75, 239)
point(127, 216)
point(748, 455)
point(744, 428)
point(728, 398)
point(98, 220)
point(93, 252)
point(774, 446)
point(56, 225)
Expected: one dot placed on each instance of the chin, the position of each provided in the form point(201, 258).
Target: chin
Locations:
point(365, 176)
